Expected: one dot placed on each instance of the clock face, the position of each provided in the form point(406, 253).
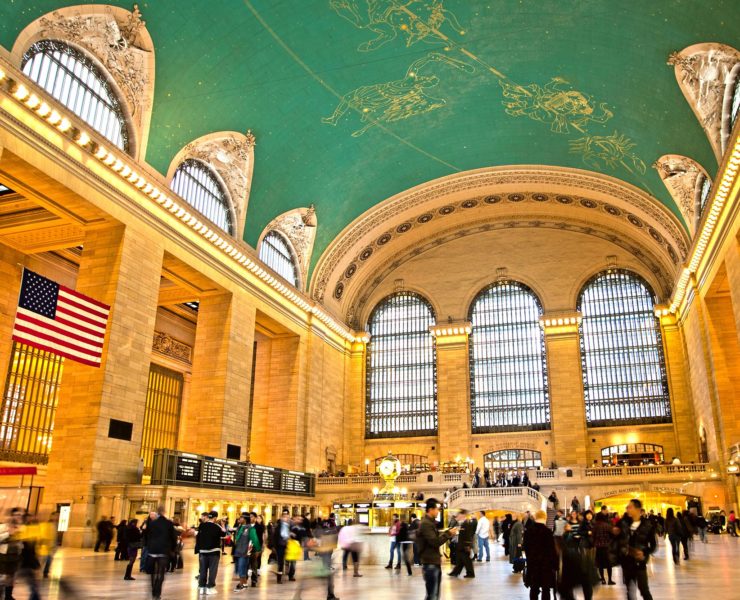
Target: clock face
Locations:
point(387, 468)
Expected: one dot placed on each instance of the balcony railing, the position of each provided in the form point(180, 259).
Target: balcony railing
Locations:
point(459, 497)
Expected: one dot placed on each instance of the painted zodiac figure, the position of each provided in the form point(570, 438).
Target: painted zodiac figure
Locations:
point(553, 103)
point(612, 150)
point(396, 100)
point(417, 20)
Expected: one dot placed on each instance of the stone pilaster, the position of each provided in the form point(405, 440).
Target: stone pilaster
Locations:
point(218, 405)
point(732, 267)
point(453, 390)
point(567, 414)
point(354, 404)
point(121, 267)
point(10, 285)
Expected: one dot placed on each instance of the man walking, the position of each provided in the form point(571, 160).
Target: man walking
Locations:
point(637, 542)
point(280, 537)
point(161, 542)
point(483, 531)
point(208, 549)
point(429, 540)
point(464, 546)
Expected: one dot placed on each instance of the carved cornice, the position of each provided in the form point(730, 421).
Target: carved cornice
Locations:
point(357, 299)
point(355, 240)
point(681, 175)
point(166, 345)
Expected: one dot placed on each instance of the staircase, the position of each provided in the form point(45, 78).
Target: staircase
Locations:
point(513, 499)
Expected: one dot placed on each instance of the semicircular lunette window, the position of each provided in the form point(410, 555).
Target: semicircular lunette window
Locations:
point(401, 395)
point(195, 182)
point(72, 78)
point(624, 373)
point(276, 254)
point(508, 368)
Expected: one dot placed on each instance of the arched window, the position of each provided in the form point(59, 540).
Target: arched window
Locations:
point(735, 105)
point(514, 458)
point(624, 376)
point(508, 371)
point(276, 254)
point(703, 192)
point(195, 182)
point(632, 455)
point(401, 397)
point(72, 78)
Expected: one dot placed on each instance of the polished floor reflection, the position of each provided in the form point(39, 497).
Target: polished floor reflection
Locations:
point(711, 574)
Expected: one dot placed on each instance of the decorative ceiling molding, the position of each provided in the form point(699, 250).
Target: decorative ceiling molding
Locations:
point(421, 204)
point(703, 74)
point(299, 227)
point(683, 177)
point(119, 41)
point(230, 155)
point(357, 298)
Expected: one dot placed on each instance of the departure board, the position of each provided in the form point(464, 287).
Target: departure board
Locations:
point(205, 471)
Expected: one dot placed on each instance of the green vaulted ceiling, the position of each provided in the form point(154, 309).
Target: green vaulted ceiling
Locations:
point(353, 101)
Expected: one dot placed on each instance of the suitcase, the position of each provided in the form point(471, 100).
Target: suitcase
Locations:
point(519, 564)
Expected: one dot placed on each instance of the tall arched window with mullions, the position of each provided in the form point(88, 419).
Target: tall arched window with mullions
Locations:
point(401, 399)
point(277, 254)
point(624, 374)
point(196, 183)
point(72, 78)
point(508, 369)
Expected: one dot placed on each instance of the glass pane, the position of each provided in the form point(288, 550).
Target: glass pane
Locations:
point(276, 254)
point(401, 369)
point(195, 183)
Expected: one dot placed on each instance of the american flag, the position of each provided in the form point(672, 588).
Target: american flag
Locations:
point(54, 318)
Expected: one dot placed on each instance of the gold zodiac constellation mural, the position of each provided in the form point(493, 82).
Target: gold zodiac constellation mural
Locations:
point(414, 20)
point(556, 103)
point(396, 100)
point(611, 150)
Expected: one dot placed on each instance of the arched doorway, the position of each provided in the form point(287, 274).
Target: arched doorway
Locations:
point(632, 455)
point(513, 459)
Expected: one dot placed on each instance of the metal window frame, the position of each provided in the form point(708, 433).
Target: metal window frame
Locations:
point(602, 383)
point(276, 253)
point(515, 345)
point(381, 420)
point(27, 420)
point(197, 183)
point(523, 457)
point(162, 413)
point(82, 87)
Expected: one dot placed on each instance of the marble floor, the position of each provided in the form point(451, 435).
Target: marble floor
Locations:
point(710, 574)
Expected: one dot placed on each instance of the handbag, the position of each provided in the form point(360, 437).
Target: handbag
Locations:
point(293, 551)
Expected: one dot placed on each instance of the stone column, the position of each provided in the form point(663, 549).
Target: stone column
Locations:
point(732, 266)
point(567, 410)
point(453, 390)
point(10, 286)
point(218, 405)
point(354, 403)
point(120, 266)
point(682, 409)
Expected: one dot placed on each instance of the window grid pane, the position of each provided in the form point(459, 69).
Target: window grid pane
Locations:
point(162, 413)
point(76, 82)
point(401, 396)
point(735, 109)
point(194, 182)
point(624, 376)
point(276, 254)
point(508, 369)
point(29, 404)
point(514, 458)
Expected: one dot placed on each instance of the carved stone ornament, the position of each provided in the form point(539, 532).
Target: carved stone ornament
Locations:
point(115, 37)
point(703, 73)
point(230, 154)
point(680, 175)
point(169, 346)
point(299, 226)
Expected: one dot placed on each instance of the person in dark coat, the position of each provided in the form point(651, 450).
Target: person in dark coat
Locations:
point(465, 545)
point(505, 531)
point(430, 539)
point(542, 558)
point(132, 541)
point(636, 544)
point(161, 542)
point(121, 553)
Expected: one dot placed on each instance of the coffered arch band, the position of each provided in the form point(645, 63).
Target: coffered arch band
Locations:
point(515, 193)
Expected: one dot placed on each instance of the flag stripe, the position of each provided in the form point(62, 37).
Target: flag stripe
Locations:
point(57, 349)
point(92, 312)
point(41, 326)
point(82, 297)
point(85, 349)
point(94, 336)
point(76, 317)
